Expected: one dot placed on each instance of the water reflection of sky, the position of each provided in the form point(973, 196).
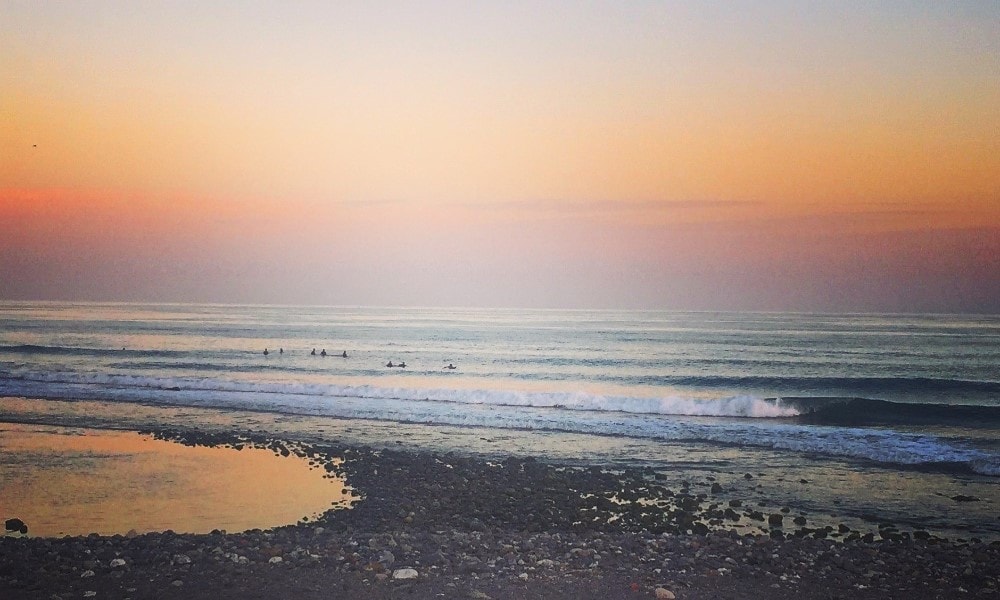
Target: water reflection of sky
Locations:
point(66, 481)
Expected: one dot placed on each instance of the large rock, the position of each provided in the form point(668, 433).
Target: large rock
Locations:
point(15, 525)
point(663, 594)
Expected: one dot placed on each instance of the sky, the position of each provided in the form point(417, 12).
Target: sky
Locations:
point(805, 156)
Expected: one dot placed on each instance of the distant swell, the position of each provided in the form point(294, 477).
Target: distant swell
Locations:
point(864, 411)
point(889, 388)
point(859, 386)
point(79, 351)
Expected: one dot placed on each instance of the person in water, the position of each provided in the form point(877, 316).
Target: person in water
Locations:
point(403, 365)
point(389, 364)
point(313, 353)
point(450, 366)
point(265, 351)
point(281, 350)
point(323, 353)
point(344, 354)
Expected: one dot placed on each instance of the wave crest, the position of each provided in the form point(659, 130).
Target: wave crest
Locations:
point(742, 406)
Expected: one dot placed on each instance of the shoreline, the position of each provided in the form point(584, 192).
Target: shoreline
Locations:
point(516, 528)
point(829, 492)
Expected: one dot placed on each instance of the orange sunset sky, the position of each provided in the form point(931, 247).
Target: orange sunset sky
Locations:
point(807, 156)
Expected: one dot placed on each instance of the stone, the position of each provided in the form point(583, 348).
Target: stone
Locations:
point(663, 594)
point(387, 558)
point(775, 519)
point(87, 573)
point(117, 562)
point(523, 576)
point(89, 594)
point(275, 560)
point(181, 559)
point(405, 574)
point(15, 525)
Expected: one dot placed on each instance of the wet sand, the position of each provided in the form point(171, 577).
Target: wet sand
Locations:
point(452, 526)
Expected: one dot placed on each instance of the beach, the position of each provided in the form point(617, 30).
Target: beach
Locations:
point(518, 528)
point(569, 454)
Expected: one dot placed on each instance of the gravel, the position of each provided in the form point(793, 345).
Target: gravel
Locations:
point(428, 525)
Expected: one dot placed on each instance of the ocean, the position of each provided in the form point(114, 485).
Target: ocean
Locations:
point(886, 414)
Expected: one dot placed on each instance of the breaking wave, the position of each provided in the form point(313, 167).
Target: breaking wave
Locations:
point(111, 386)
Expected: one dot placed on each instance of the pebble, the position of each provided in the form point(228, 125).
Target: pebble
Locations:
point(663, 594)
point(405, 574)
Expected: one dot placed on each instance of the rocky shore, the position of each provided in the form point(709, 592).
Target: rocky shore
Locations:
point(429, 525)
